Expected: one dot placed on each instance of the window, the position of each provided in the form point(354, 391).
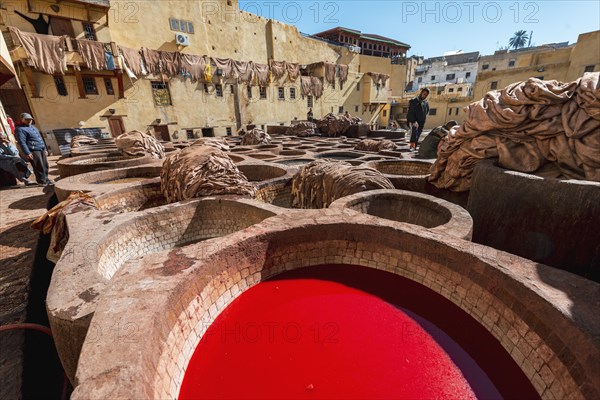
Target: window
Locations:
point(309, 101)
point(494, 85)
point(293, 93)
point(420, 79)
point(449, 111)
point(433, 77)
point(181, 25)
point(385, 113)
point(174, 23)
point(340, 109)
point(468, 75)
point(589, 68)
point(280, 93)
point(89, 85)
point(358, 86)
point(511, 63)
point(451, 90)
point(485, 66)
point(449, 77)
point(219, 90)
point(460, 88)
point(249, 91)
point(457, 110)
point(61, 88)
point(89, 31)
point(263, 93)
point(190, 27)
point(228, 130)
point(355, 109)
point(231, 89)
point(109, 87)
point(160, 93)
point(189, 133)
point(432, 111)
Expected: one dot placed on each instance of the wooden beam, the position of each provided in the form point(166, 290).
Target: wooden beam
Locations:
point(30, 78)
point(80, 86)
point(120, 85)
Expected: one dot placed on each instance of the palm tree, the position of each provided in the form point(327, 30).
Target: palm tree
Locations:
point(518, 40)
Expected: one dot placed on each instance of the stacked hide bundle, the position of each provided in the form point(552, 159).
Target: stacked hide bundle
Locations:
point(199, 171)
point(302, 129)
point(82, 140)
point(375, 145)
point(319, 183)
point(254, 137)
point(136, 144)
point(548, 128)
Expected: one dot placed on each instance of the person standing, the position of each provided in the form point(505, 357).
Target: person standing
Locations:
point(418, 108)
point(34, 148)
point(309, 115)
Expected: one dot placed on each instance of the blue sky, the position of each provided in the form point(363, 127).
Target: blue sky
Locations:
point(433, 27)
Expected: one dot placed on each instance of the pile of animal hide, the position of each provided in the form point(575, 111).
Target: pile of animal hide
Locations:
point(336, 125)
point(82, 140)
point(319, 183)
point(217, 143)
point(547, 128)
point(199, 171)
point(137, 143)
point(302, 129)
point(54, 221)
point(254, 137)
point(375, 145)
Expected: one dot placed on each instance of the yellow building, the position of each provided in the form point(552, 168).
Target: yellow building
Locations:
point(174, 107)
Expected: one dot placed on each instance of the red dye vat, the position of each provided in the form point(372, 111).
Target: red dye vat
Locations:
point(310, 338)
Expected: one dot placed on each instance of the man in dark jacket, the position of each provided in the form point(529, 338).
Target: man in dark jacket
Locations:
point(33, 147)
point(418, 108)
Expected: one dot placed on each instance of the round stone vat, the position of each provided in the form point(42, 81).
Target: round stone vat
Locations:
point(292, 153)
point(241, 149)
point(135, 197)
point(306, 147)
point(106, 180)
point(236, 158)
point(79, 165)
point(261, 156)
point(273, 148)
point(261, 172)
point(277, 192)
point(404, 174)
point(483, 299)
point(339, 155)
point(551, 221)
point(295, 161)
point(411, 208)
point(85, 150)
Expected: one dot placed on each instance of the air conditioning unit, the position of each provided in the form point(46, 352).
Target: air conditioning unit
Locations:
point(182, 40)
point(355, 49)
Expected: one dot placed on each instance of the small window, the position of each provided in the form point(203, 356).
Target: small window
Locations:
point(460, 88)
point(219, 90)
point(190, 27)
point(449, 77)
point(229, 3)
point(263, 93)
point(231, 89)
point(174, 23)
point(89, 85)
point(468, 75)
point(340, 109)
point(511, 63)
point(457, 110)
point(61, 88)
point(355, 109)
point(249, 91)
point(280, 93)
point(451, 90)
point(89, 31)
point(292, 93)
point(189, 133)
point(589, 68)
point(109, 87)
point(432, 111)
point(309, 101)
point(433, 77)
point(385, 113)
point(449, 111)
point(160, 93)
point(485, 66)
point(420, 79)
point(358, 86)
point(494, 85)
point(228, 130)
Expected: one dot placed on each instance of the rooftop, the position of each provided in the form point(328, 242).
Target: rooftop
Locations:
point(367, 36)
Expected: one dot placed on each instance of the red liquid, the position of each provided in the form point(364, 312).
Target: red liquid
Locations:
point(309, 338)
